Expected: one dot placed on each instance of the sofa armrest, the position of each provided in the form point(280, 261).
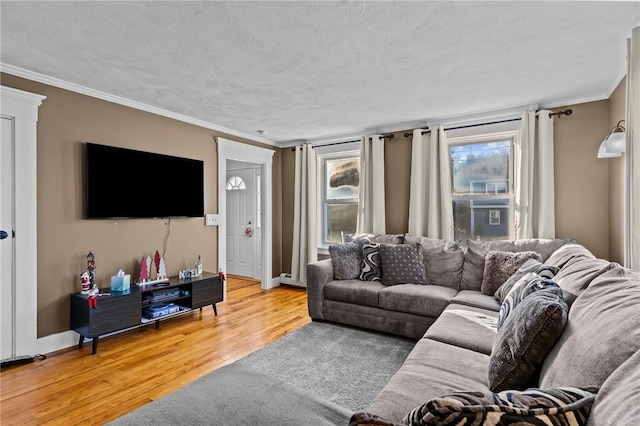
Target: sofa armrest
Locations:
point(319, 273)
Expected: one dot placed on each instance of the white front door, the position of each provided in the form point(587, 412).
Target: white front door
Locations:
point(242, 222)
point(7, 296)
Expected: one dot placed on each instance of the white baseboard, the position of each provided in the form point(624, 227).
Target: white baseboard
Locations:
point(56, 342)
point(275, 282)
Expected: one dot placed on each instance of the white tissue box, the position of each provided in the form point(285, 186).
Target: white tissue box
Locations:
point(120, 283)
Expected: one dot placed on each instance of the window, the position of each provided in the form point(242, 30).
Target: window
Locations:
point(235, 183)
point(482, 186)
point(338, 186)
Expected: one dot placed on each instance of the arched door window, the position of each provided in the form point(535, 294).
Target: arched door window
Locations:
point(235, 183)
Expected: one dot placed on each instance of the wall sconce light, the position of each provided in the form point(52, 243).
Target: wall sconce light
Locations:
point(615, 144)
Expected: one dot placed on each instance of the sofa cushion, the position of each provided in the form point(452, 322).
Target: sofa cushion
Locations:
point(527, 335)
point(567, 252)
point(442, 259)
point(525, 286)
point(346, 259)
point(531, 265)
point(466, 327)
point(399, 323)
point(576, 275)
point(618, 401)
point(426, 300)
point(500, 265)
point(603, 331)
point(354, 291)
point(432, 369)
point(476, 299)
point(370, 268)
point(476, 251)
point(562, 406)
point(402, 264)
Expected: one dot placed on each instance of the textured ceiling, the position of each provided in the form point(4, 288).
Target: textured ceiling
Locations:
point(307, 70)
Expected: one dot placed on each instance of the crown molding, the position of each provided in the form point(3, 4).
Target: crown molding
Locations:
point(61, 84)
point(466, 119)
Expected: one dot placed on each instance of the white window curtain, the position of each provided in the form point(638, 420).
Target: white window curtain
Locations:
point(632, 255)
point(305, 248)
point(430, 204)
point(371, 205)
point(533, 176)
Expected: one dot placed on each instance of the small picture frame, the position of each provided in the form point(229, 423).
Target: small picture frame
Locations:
point(494, 217)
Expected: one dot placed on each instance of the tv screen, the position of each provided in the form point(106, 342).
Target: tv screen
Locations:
point(125, 183)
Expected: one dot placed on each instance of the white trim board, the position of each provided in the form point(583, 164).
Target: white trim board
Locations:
point(231, 150)
point(22, 108)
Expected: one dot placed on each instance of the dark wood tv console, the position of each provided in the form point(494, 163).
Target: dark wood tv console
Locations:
point(118, 311)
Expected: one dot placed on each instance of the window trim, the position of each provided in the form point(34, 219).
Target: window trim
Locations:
point(513, 136)
point(324, 153)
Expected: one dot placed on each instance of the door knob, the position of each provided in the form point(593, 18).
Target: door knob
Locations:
point(3, 235)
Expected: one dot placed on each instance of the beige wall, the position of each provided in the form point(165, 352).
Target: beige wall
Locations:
point(288, 180)
point(617, 112)
point(582, 182)
point(66, 121)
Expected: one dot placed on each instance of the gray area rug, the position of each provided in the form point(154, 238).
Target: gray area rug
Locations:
point(317, 375)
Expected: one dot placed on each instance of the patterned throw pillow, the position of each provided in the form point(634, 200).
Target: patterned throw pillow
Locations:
point(525, 338)
point(402, 264)
point(527, 284)
point(559, 406)
point(531, 265)
point(368, 419)
point(346, 259)
point(500, 265)
point(370, 269)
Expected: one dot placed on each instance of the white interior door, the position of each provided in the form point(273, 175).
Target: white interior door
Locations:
point(7, 296)
point(242, 220)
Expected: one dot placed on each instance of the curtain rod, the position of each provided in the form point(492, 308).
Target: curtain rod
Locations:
point(551, 114)
point(385, 136)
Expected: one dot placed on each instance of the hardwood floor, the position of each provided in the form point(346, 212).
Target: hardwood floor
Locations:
point(134, 368)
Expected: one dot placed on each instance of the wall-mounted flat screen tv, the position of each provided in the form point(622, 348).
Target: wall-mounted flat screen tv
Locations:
point(125, 183)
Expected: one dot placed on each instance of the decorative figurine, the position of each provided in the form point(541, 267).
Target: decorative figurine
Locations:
point(148, 260)
point(221, 275)
point(144, 271)
point(93, 297)
point(156, 261)
point(85, 281)
point(91, 266)
point(199, 266)
point(162, 270)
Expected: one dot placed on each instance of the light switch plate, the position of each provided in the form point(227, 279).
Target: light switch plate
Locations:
point(212, 220)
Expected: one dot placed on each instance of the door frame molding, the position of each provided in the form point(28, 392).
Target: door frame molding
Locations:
point(22, 108)
point(231, 150)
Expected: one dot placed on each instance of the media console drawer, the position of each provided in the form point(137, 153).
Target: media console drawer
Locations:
point(120, 311)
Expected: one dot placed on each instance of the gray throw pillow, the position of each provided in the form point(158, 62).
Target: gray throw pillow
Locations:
point(402, 264)
point(346, 259)
point(370, 269)
point(525, 286)
point(500, 265)
point(531, 265)
point(525, 338)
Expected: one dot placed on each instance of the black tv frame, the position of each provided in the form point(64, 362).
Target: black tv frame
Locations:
point(123, 183)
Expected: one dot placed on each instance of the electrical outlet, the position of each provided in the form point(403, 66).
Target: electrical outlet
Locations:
point(212, 220)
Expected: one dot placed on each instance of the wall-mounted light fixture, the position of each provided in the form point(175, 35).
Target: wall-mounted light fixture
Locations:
point(614, 144)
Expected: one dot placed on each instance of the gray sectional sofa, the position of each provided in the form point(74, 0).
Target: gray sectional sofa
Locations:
point(455, 325)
